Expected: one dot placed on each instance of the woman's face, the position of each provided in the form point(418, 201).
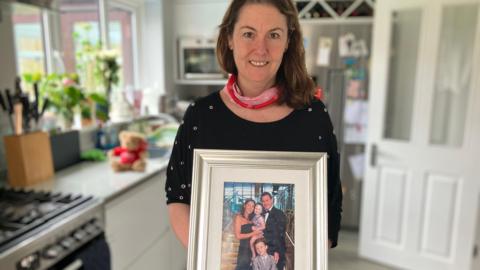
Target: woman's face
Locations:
point(249, 208)
point(258, 209)
point(259, 40)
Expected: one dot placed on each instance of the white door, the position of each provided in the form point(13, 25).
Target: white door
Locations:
point(420, 196)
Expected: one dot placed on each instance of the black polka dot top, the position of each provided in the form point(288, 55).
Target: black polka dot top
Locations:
point(209, 124)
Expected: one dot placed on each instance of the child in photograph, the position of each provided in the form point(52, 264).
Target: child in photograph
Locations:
point(263, 261)
point(258, 225)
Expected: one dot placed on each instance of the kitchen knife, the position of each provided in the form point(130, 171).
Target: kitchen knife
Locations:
point(10, 101)
point(2, 103)
point(25, 112)
point(18, 87)
point(6, 109)
point(46, 103)
point(35, 111)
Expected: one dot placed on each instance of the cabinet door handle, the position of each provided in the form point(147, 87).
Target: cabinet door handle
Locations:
point(373, 155)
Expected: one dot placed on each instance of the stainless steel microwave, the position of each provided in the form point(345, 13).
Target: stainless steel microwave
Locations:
point(197, 59)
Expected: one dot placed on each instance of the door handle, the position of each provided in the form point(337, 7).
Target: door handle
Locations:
point(373, 155)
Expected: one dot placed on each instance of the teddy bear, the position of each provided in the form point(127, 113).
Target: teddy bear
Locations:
point(131, 154)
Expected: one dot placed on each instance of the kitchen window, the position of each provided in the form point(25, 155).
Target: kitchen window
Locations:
point(121, 33)
point(79, 21)
point(68, 29)
point(28, 35)
point(81, 27)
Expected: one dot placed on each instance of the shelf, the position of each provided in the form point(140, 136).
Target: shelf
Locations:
point(338, 11)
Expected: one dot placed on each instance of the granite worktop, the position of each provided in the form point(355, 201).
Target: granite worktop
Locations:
point(99, 180)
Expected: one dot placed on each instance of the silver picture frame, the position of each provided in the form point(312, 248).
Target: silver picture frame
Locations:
point(306, 170)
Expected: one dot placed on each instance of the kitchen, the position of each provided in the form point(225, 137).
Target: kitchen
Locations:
point(148, 36)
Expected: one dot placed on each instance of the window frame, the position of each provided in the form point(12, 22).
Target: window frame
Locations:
point(51, 34)
point(42, 37)
point(133, 9)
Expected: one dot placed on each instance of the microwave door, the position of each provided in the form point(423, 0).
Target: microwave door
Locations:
point(200, 63)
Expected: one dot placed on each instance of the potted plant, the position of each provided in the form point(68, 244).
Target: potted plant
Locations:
point(99, 72)
point(65, 95)
point(106, 69)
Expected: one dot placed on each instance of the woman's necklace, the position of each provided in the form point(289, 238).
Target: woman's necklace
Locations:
point(266, 98)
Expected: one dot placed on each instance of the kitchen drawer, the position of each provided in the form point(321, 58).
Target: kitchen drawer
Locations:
point(135, 219)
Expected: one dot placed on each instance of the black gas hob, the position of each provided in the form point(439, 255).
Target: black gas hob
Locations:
point(22, 211)
point(39, 230)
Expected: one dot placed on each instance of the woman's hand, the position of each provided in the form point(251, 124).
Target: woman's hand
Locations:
point(276, 257)
point(255, 232)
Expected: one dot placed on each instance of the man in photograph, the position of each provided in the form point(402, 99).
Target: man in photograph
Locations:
point(275, 227)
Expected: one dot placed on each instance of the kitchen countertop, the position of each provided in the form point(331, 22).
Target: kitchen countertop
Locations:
point(99, 180)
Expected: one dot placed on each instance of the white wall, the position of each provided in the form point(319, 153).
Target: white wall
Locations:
point(161, 23)
point(7, 72)
point(7, 50)
point(152, 48)
point(189, 18)
point(198, 18)
point(169, 46)
point(151, 53)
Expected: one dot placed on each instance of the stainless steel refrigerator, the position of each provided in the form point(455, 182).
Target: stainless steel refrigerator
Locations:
point(337, 56)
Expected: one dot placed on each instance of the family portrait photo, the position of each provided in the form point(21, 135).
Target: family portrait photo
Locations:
point(258, 226)
point(247, 204)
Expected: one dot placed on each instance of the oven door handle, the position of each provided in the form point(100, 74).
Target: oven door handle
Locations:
point(75, 265)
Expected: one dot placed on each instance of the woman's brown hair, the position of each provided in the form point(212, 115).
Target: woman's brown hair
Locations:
point(242, 212)
point(292, 77)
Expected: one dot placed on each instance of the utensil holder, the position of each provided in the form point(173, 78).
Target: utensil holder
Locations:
point(29, 158)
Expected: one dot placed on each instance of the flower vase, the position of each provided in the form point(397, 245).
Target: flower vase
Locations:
point(120, 109)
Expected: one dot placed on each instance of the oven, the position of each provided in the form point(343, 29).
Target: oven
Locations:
point(51, 231)
point(197, 59)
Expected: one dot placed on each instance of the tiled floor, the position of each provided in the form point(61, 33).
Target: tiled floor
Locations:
point(345, 255)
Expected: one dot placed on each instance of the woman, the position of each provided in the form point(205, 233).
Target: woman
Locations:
point(268, 104)
point(243, 232)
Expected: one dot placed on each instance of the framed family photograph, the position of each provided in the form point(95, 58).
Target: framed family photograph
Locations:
point(258, 210)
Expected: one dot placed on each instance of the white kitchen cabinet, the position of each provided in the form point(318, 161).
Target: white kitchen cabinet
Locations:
point(138, 232)
point(151, 259)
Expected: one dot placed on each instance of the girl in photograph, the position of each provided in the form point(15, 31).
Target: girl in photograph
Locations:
point(259, 225)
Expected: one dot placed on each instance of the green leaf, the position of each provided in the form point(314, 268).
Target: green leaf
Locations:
point(98, 98)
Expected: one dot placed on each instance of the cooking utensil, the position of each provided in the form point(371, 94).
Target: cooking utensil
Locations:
point(35, 112)
point(2, 103)
point(10, 101)
point(18, 87)
point(18, 111)
point(26, 112)
point(46, 103)
point(6, 109)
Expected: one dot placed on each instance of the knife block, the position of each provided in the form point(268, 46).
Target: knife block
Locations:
point(29, 158)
